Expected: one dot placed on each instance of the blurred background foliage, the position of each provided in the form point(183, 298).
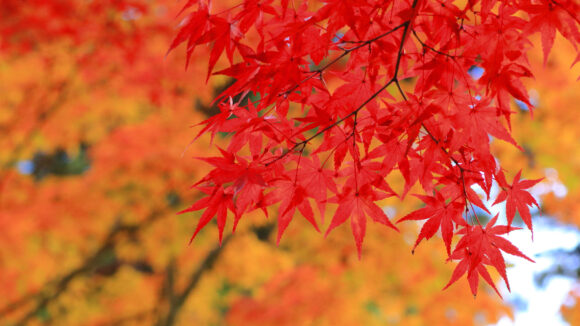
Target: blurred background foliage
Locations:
point(96, 159)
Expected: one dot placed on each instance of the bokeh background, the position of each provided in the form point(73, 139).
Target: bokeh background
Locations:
point(96, 159)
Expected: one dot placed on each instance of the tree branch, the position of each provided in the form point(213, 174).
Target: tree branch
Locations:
point(176, 302)
point(52, 290)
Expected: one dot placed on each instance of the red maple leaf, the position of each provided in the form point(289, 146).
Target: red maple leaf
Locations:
point(293, 196)
point(439, 215)
point(479, 247)
point(216, 204)
point(517, 197)
point(549, 16)
point(357, 205)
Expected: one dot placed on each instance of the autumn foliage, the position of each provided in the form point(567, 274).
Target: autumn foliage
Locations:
point(334, 100)
point(328, 116)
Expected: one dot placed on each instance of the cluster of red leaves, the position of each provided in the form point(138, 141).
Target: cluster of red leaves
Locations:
point(288, 120)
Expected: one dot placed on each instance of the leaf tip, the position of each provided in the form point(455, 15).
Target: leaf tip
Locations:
point(359, 251)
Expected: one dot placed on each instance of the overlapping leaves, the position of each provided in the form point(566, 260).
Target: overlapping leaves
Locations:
point(331, 121)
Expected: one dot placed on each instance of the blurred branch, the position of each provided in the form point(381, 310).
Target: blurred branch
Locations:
point(177, 300)
point(43, 117)
point(132, 318)
point(566, 263)
point(62, 90)
point(52, 290)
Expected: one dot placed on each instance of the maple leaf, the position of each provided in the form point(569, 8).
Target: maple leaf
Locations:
point(473, 269)
point(293, 197)
point(192, 28)
point(216, 123)
point(253, 14)
point(217, 204)
point(549, 16)
point(439, 215)
point(357, 205)
point(317, 181)
point(517, 197)
point(485, 117)
point(479, 247)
